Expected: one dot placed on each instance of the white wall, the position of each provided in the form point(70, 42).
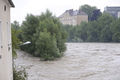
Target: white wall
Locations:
point(6, 55)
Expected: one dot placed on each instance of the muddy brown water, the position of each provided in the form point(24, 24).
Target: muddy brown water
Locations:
point(82, 61)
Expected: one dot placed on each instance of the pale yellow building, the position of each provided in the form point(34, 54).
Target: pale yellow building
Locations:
point(6, 72)
point(70, 17)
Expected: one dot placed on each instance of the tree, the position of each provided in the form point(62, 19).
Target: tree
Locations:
point(101, 30)
point(15, 40)
point(93, 32)
point(81, 31)
point(115, 27)
point(116, 37)
point(46, 46)
point(46, 35)
point(96, 14)
point(89, 10)
point(15, 25)
point(28, 30)
point(106, 34)
point(50, 24)
point(17, 28)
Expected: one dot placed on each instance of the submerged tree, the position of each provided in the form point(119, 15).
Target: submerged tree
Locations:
point(46, 35)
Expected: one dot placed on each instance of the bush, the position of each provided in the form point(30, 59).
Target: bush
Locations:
point(46, 46)
point(19, 75)
point(116, 37)
point(15, 42)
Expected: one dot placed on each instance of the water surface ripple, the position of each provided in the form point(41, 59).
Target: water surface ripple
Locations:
point(82, 61)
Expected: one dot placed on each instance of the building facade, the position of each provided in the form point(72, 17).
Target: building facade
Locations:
point(114, 11)
point(71, 17)
point(6, 72)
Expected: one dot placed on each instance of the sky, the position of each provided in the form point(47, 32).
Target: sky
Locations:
point(57, 7)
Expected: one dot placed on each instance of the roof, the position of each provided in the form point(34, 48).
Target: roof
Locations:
point(117, 8)
point(11, 3)
point(76, 12)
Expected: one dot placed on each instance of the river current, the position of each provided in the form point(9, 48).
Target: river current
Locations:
point(81, 61)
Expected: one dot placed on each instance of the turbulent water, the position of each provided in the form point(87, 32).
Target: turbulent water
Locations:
point(82, 61)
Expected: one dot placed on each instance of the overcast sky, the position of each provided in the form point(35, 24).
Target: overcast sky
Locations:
point(57, 7)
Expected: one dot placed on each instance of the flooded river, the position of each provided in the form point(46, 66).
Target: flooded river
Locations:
point(82, 61)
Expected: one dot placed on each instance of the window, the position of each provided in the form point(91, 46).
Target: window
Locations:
point(0, 36)
point(4, 7)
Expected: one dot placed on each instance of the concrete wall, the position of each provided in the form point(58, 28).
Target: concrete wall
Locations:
point(5, 47)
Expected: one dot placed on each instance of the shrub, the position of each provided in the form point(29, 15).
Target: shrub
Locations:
point(46, 46)
point(19, 75)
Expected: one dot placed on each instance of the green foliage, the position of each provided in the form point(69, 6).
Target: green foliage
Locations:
point(46, 35)
point(28, 30)
point(71, 33)
point(88, 9)
point(82, 30)
point(15, 40)
point(46, 46)
point(19, 75)
point(93, 32)
point(116, 37)
point(106, 35)
point(15, 25)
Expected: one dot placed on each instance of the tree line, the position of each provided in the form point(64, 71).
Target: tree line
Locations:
point(104, 29)
point(101, 27)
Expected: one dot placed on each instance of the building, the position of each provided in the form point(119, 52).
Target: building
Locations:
point(5, 41)
point(114, 11)
point(72, 17)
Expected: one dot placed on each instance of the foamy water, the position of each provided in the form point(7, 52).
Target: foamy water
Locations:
point(82, 61)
